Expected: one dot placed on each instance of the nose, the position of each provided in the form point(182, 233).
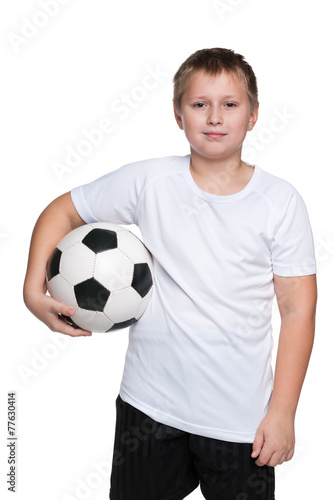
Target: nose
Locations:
point(215, 116)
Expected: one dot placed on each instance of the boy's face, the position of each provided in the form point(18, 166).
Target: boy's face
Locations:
point(215, 115)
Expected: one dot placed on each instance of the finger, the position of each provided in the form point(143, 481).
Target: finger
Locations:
point(61, 321)
point(74, 331)
point(257, 444)
point(284, 457)
point(59, 308)
point(265, 456)
point(276, 459)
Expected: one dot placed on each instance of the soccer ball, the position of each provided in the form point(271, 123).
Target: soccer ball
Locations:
point(105, 273)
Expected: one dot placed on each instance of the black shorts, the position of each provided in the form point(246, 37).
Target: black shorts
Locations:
point(153, 461)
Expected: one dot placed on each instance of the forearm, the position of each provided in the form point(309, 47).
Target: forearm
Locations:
point(274, 442)
point(293, 355)
point(58, 219)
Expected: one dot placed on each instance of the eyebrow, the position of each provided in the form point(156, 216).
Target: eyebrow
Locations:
point(203, 97)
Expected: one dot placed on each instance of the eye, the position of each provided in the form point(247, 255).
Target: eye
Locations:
point(230, 105)
point(199, 105)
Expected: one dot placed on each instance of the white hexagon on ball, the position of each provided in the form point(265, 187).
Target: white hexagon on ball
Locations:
point(122, 305)
point(132, 246)
point(113, 270)
point(77, 263)
point(62, 291)
point(74, 237)
point(92, 320)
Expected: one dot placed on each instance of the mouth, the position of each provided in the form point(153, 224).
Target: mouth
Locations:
point(214, 135)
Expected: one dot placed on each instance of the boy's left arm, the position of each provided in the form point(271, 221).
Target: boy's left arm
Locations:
point(275, 438)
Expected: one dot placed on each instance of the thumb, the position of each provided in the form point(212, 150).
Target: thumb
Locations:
point(257, 443)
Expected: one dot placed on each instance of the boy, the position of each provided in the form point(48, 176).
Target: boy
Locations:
point(197, 403)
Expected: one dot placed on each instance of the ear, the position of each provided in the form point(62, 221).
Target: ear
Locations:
point(253, 118)
point(178, 118)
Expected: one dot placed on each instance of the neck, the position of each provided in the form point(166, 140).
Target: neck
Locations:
point(220, 176)
point(211, 167)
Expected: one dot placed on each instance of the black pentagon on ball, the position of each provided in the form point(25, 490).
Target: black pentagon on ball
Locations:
point(91, 295)
point(100, 240)
point(123, 324)
point(142, 279)
point(53, 265)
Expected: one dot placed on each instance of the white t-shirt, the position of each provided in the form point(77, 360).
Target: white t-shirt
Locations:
point(199, 359)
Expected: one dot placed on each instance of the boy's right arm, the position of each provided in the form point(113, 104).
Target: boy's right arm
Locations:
point(58, 219)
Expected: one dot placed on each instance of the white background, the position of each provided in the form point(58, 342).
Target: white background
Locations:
point(61, 74)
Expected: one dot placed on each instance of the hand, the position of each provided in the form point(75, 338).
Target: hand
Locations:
point(274, 442)
point(47, 310)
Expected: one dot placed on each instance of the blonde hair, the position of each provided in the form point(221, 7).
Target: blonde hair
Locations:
point(214, 61)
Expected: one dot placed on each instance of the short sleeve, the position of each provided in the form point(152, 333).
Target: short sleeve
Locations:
point(292, 250)
point(111, 198)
